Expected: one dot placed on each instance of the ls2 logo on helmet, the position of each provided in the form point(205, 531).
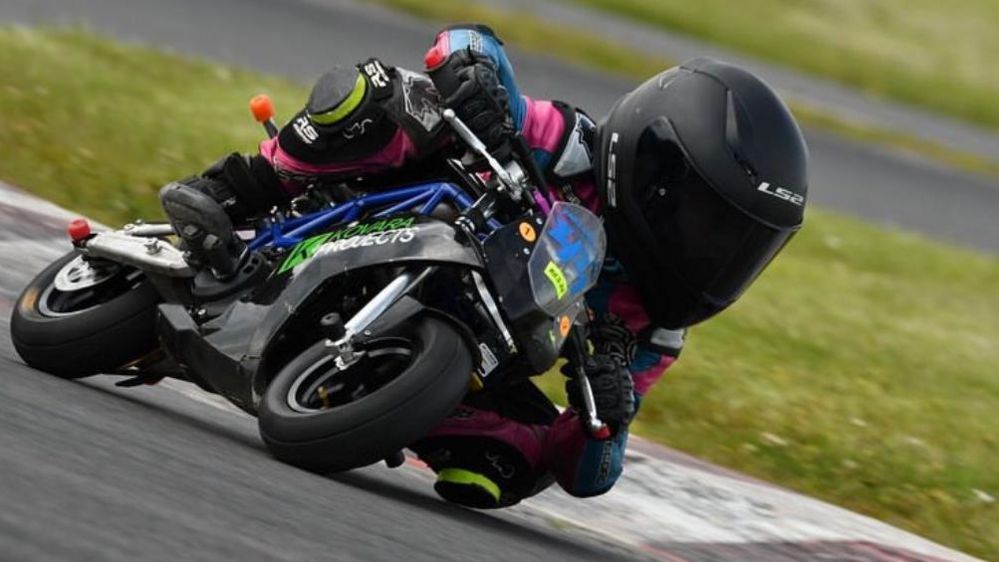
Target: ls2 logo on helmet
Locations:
point(612, 171)
point(781, 193)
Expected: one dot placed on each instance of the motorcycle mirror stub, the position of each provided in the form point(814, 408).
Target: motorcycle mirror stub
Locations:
point(263, 112)
point(262, 108)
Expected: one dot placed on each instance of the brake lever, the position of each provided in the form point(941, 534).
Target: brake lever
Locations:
point(529, 177)
point(592, 422)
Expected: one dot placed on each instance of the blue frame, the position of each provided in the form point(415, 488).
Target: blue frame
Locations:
point(284, 233)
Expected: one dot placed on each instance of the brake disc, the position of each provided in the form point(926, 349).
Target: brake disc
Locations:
point(81, 274)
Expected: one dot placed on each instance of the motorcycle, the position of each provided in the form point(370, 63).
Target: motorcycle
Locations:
point(358, 323)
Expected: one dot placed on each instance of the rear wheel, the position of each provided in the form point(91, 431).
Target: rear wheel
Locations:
point(78, 317)
point(322, 415)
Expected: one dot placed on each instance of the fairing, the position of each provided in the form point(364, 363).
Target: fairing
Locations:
point(558, 260)
point(232, 345)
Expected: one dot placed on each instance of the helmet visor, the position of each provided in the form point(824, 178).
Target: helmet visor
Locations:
point(715, 249)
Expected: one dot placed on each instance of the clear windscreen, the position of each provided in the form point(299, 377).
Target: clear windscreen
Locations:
point(566, 261)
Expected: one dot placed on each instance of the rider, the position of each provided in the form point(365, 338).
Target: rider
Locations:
point(699, 173)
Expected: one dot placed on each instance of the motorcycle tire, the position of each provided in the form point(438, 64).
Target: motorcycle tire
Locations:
point(96, 329)
point(371, 424)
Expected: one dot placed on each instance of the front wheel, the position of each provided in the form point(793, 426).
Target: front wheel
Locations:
point(78, 317)
point(322, 417)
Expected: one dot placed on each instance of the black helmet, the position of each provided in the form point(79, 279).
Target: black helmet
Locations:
point(703, 174)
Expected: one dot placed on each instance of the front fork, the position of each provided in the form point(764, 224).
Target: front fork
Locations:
point(341, 338)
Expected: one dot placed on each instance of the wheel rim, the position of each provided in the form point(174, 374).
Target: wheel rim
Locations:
point(82, 285)
point(325, 385)
point(81, 274)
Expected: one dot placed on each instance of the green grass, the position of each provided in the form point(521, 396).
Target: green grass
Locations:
point(861, 368)
point(940, 55)
point(99, 127)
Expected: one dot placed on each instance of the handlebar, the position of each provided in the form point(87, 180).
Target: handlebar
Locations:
point(515, 177)
point(502, 174)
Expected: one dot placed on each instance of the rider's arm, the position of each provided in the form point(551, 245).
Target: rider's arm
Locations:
point(585, 466)
point(483, 40)
point(558, 134)
point(468, 84)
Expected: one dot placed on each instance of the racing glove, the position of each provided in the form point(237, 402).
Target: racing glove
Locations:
point(613, 390)
point(468, 83)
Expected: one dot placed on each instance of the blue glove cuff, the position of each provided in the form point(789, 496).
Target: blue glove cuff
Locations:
point(482, 39)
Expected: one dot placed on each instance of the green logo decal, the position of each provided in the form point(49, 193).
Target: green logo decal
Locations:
point(557, 277)
point(304, 250)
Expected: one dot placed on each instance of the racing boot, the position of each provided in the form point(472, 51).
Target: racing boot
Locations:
point(202, 223)
point(483, 460)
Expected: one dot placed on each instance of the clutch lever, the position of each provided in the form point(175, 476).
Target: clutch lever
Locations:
point(473, 142)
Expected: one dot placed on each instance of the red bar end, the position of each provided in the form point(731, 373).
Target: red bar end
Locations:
point(434, 57)
point(78, 229)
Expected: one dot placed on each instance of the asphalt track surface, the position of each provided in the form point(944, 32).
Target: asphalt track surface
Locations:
point(299, 38)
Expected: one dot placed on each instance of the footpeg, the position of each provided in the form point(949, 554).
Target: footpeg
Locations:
point(207, 286)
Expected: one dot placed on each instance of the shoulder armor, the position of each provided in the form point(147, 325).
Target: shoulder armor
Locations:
point(414, 107)
point(575, 157)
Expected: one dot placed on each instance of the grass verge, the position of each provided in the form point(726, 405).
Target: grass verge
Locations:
point(860, 368)
point(571, 45)
point(924, 52)
point(99, 127)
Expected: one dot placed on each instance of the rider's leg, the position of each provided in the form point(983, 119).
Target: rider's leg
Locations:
point(488, 452)
point(483, 460)
point(202, 223)
point(203, 208)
